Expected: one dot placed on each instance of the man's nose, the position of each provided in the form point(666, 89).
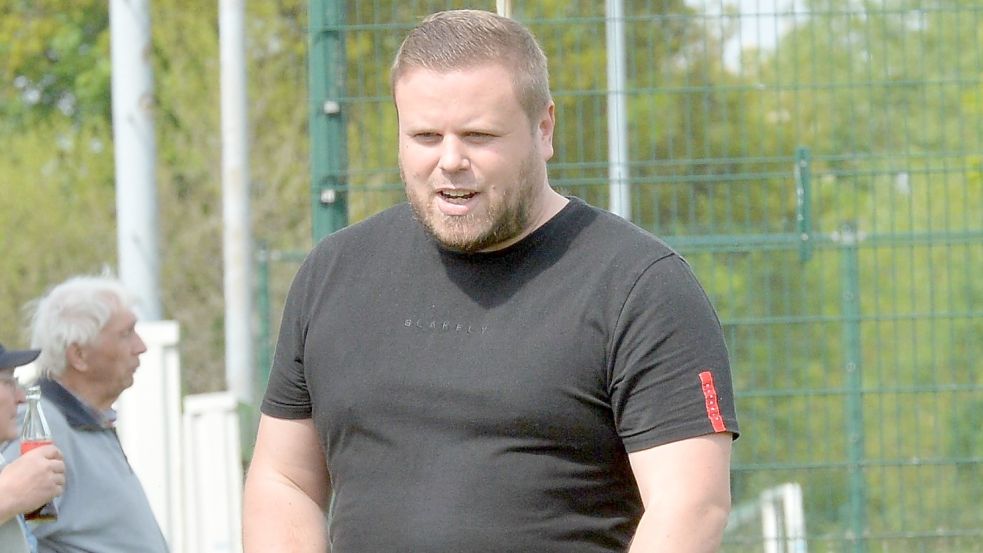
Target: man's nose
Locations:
point(141, 346)
point(453, 155)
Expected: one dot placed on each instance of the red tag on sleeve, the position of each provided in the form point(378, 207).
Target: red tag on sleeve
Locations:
point(710, 397)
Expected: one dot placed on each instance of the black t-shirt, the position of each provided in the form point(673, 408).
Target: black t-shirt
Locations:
point(486, 402)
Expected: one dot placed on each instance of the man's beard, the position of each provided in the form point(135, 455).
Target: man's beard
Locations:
point(501, 222)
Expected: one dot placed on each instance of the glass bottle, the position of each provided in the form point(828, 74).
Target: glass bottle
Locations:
point(36, 433)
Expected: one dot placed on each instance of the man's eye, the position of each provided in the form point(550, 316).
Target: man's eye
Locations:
point(479, 137)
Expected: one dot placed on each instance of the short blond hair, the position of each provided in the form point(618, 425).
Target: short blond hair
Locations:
point(460, 39)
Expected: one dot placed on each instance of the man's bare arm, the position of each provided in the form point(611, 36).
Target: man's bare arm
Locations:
point(685, 488)
point(287, 490)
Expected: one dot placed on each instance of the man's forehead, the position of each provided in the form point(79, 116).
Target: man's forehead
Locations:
point(122, 315)
point(486, 68)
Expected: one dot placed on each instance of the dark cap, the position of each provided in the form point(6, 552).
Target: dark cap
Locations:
point(10, 359)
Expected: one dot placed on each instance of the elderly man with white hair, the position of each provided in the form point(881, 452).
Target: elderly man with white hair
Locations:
point(85, 329)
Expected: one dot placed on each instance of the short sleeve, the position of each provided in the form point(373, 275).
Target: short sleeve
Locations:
point(670, 374)
point(287, 395)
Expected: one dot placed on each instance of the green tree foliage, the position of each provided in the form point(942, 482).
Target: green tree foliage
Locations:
point(56, 164)
point(57, 197)
point(885, 95)
point(56, 168)
point(187, 73)
point(56, 59)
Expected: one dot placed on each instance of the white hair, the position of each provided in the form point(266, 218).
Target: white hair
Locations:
point(73, 312)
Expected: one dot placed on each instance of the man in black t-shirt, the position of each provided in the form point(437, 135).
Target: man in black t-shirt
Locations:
point(492, 366)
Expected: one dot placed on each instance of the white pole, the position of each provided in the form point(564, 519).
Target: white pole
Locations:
point(795, 520)
point(614, 26)
point(504, 7)
point(237, 241)
point(135, 153)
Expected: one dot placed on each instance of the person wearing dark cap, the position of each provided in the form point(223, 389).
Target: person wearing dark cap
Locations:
point(33, 479)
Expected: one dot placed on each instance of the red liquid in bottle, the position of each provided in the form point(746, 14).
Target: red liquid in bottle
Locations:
point(36, 434)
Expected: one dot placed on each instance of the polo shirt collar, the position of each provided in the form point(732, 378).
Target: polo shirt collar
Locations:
point(78, 415)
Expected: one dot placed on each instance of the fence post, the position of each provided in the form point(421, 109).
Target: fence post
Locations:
point(803, 201)
point(213, 487)
point(850, 302)
point(265, 355)
point(327, 127)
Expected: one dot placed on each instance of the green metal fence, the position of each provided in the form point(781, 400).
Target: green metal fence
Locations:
point(820, 163)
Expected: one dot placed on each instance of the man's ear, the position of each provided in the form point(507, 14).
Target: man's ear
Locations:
point(76, 357)
point(545, 128)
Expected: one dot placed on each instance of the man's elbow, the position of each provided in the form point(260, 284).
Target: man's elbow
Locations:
point(717, 515)
point(713, 519)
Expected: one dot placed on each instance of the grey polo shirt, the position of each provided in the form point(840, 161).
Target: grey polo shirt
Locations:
point(104, 507)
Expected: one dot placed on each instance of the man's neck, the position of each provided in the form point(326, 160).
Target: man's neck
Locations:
point(86, 394)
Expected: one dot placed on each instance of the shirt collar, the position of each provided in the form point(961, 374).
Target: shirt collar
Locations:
point(77, 412)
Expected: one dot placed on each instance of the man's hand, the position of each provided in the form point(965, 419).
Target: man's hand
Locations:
point(31, 480)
